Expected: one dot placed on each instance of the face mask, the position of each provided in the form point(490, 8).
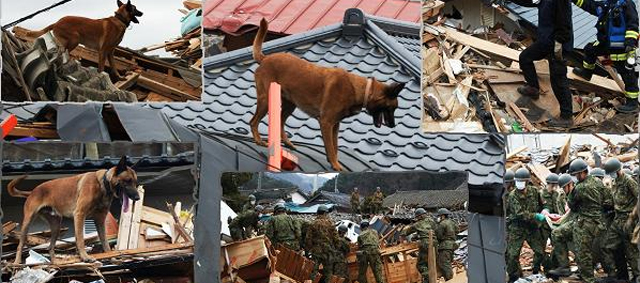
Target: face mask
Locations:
point(574, 179)
point(253, 202)
point(520, 185)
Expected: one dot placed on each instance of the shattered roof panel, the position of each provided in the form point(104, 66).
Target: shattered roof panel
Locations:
point(296, 16)
point(584, 30)
point(229, 104)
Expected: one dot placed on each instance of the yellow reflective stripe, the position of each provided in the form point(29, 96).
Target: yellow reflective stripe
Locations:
point(596, 43)
point(632, 94)
point(618, 57)
point(579, 3)
point(631, 34)
point(588, 66)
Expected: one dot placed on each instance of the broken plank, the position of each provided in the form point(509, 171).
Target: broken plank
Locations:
point(165, 89)
point(128, 81)
point(137, 252)
point(523, 119)
point(563, 157)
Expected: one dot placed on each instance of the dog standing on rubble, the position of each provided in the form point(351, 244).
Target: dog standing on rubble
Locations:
point(87, 195)
point(102, 35)
point(327, 94)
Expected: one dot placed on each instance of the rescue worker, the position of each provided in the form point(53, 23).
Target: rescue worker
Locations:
point(245, 223)
point(586, 200)
point(378, 198)
point(525, 205)
point(368, 254)
point(554, 202)
point(635, 173)
point(422, 227)
point(618, 239)
point(562, 236)
point(446, 231)
point(355, 201)
point(598, 173)
point(617, 37)
point(321, 242)
point(555, 36)
point(281, 229)
point(342, 251)
point(250, 205)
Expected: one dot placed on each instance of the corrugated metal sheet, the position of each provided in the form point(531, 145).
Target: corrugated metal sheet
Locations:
point(296, 16)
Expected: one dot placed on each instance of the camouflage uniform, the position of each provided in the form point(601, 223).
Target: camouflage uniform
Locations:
point(607, 220)
point(342, 250)
point(243, 225)
point(369, 255)
point(302, 225)
point(586, 200)
point(446, 235)
point(355, 202)
point(562, 239)
point(282, 229)
point(551, 201)
point(523, 227)
point(321, 241)
point(378, 198)
point(617, 238)
point(248, 206)
point(422, 228)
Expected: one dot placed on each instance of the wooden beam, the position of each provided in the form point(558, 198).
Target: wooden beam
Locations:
point(128, 81)
point(137, 252)
point(165, 89)
point(523, 119)
point(563, 157)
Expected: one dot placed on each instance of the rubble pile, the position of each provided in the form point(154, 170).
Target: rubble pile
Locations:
point(470, 81)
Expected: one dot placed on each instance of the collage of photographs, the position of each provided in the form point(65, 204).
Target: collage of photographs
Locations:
point(319, 141)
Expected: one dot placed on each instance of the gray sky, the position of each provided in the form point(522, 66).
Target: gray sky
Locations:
point(160, 22)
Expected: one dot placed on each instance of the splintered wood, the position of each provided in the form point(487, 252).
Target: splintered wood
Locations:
point(483, 67)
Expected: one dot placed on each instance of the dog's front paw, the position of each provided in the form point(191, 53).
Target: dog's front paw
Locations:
point(262, 143)
point(88, 259)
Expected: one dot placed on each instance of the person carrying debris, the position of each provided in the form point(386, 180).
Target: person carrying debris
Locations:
point(355, 201)
point(524, 220)
point(554, 202)
point(378, 199)
point(321, 242)
point(587, 201)
point(342, 250)
point(368, 253)
point(282, 229)
point(618, 237)
point(555, 36)
point(243, 226)
point(446, 233)
point(617, 37)
point(422, 228)
point(562, 236)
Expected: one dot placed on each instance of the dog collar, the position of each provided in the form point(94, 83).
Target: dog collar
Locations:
point(367, 91)
point(122, 19)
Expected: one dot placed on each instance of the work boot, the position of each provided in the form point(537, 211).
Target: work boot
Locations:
point(560, 122)
point(561, 272)
point(629, 107)
point(583, 73)
point(529, 91)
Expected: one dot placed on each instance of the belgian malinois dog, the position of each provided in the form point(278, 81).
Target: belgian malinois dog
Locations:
point(102, 35)
point(327, 94)
point(83, 196)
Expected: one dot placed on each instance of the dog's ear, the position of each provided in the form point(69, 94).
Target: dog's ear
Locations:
point(119, 3)
point(129, 7)
point(394, 90)
point(135, 165)
point(122, 165)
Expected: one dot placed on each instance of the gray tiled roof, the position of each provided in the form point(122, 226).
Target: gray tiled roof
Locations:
point(452, 199)
point(584, 30)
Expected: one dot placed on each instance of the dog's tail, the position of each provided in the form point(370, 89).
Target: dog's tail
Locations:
point(257, 42)
point(38, 33)
point(13, 191)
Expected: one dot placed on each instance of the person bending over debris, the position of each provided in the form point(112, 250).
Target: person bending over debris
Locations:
point(446, 233)
point(617, 37)
point(554, 202)
point(282, 229)
point(524, 221)
point(368, 254)
point(342, 250)
point(321, 242)
point(562, 236)
point(587, 201)
point(245, 223)
point(618, 238)
point(422, 227)
point(555, 36)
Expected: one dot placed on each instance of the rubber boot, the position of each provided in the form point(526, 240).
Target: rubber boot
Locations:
point(630, 106)
point(560, 122)
point(529, 91)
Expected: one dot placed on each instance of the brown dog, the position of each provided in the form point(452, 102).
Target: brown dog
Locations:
point(87, 195)
point(102, 35)
point(327, 94)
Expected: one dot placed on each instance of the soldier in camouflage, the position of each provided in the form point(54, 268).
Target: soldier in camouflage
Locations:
point(369, 254)
point(608, 215)
point(525, 221)
point(446, 233)
point(282, 229)
point(562, 236)
point(553, 200)
point(378, 198)
point(321, 242)
point(355, 201)
point(342, 250)
point(422, 227)
point(245, 223)
point(618, 238)
point(586, 200)
point(250, 205)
